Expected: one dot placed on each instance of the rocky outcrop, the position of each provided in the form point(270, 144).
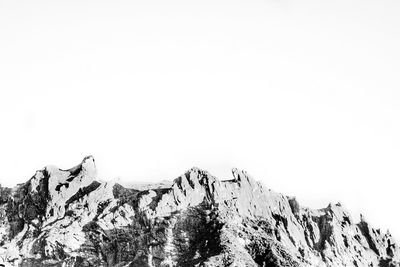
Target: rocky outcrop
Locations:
point(68, 218)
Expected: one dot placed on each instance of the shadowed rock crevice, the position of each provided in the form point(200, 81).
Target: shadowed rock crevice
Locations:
point(365, 230)
point(83, 192)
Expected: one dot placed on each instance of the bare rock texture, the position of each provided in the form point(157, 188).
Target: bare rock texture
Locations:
point(68, 218)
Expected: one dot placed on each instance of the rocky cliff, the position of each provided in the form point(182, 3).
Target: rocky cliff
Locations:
point(68, 218)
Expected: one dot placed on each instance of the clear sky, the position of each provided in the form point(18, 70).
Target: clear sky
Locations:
point(304, 95)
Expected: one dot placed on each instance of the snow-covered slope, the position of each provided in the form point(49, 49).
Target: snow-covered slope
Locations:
point(68, 218)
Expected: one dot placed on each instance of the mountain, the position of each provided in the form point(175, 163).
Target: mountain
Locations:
point(68, 218)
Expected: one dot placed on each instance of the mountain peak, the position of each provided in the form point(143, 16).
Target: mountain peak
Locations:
point(67, 218)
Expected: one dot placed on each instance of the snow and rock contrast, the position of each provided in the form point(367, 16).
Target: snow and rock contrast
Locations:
point(68, 218)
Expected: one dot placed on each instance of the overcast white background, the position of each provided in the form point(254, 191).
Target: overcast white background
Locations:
point(304, 95)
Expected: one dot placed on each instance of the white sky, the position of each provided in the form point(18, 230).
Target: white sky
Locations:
point(304, 95)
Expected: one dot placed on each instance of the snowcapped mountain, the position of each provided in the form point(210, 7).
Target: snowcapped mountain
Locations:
point(67, 218)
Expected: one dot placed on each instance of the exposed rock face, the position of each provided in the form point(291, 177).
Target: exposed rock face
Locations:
point(67, 218)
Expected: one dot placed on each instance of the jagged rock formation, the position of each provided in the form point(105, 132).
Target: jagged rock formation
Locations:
point(67, 218)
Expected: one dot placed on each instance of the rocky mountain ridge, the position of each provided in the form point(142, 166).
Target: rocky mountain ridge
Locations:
point(68, 218)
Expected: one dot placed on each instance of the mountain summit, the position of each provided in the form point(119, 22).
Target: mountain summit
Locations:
point(68, 218)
